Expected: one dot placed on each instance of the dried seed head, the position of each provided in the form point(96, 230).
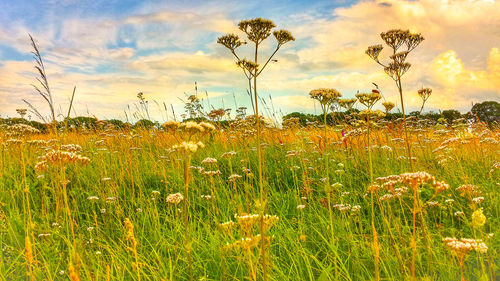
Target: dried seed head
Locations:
point(425, 93)
point(388, 106)
point(230, 41)
point(325, 96)
point(283, 36)
point(347, 103)
point(395, 38)
point(257, 29)
point(247, 65)
point(374, 51)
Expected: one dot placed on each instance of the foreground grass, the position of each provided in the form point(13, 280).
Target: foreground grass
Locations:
point(68, 220)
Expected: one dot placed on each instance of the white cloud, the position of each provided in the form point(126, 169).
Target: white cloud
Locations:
point(167, 50)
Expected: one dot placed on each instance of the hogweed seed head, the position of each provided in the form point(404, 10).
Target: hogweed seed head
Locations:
point(325, 96)
point(283, 36)
point(425, 93)
point(230, 41)
point(374, 51)
point(257, 30)
point(388, 106)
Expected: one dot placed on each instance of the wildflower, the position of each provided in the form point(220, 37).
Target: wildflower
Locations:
point(432, 203)
point(478, 218)
point(246, 221)
point(325, 96)
point(465, 245)
point(170, 125)
point(191, 127)
point(469, 190)
point(208, 161)
point(374, 51)
point(478, 200)
point(227, 226)
point(388, 106)
point(234, 177)
point(207, 126)
point(301, 207)
point(342, 207)
point(92, 198)
point(175, 198)
point(228, 154)
point(190, 146)
point(369, 99)
point(60, 157)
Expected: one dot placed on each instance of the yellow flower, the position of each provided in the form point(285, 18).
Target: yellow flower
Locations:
point(478, 218)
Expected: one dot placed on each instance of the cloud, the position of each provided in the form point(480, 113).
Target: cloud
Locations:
point(163, 50)
point(295, 102)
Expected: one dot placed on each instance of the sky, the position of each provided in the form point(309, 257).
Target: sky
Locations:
point(113, 49)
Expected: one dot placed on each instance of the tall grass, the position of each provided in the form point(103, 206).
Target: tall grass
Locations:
point(131, 174)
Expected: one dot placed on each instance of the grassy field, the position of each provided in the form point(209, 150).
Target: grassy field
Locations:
point(103, 205)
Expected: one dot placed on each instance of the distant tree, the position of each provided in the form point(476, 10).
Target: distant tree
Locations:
point(450, 115)
point(303, 118)
point(144, 124)
point(488, 111)
point(431, 115)
point(119, 124)
point(82, 122)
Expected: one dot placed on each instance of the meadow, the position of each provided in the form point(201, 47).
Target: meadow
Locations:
point(99, 203)
point(354, 194)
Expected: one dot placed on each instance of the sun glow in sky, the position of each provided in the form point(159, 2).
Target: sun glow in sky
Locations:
point(113, 49)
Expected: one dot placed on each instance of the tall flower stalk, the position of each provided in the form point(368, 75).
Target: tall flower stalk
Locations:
point(397, 39)
point(327, 98)
point(368, 115)
point(257, 30)
point(424, 94)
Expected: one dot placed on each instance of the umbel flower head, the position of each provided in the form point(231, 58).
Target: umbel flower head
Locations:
point(369, 114)
point(388, 106)
point(191, 127)
point(395, 38)
point(283, 36)
point(396, 68)
point(325, 96)
point(170, 125)
point(462, 247)
point(425, 93)
point(247, 65)
point(369, 99)
point(257, 29)
point(374, 51)
point(190, 147)
point(347, 104)
point(230, 41)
